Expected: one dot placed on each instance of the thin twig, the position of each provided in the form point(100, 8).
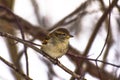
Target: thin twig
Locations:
point(98, 25)
point(38, 50)
point(14, 68)
point(85, 58)
point(22, 34)
point(36, 11)
point(61, 22)
point(108, 31)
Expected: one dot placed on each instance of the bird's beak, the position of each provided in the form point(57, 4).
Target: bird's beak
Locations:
point(71, 35)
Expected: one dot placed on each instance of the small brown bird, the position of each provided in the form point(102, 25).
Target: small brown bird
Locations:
point(56, 43)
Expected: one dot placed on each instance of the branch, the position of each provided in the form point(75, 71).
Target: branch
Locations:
point(19, 25)
point(92, 69)
point(98, 25)
point(76, 11)
point(15, 68)
point(38, 50)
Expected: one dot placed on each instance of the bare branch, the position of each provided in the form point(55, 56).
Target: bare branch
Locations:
point(14, 68)
point(55, 61)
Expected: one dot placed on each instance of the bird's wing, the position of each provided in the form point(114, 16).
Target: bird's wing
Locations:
point(45, 41)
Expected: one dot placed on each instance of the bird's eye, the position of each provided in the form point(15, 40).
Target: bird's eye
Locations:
point(57, 34)
point(64, 34)
point(60, 34)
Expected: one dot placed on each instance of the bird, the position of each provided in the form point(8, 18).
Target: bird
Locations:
point(56, 44)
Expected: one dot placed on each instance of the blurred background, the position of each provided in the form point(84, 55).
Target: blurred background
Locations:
point(94, 50)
